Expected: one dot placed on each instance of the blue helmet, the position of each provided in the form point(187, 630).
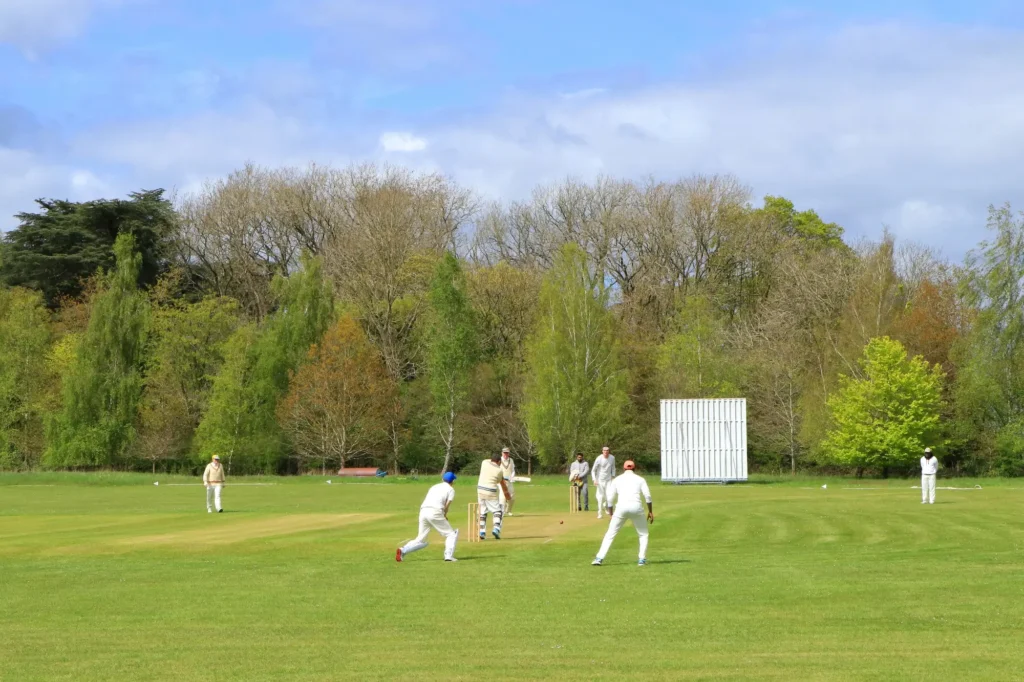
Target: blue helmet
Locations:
point(448, 477)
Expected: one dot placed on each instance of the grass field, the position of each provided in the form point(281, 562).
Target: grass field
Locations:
point(107, 577)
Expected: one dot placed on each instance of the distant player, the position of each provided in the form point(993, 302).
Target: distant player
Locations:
point(434, 514)
point(626, 497)
point(578, 471)
point(508, 473)
point(929, 468)
point(602, 473)
point(213, 479)
point(492, 479)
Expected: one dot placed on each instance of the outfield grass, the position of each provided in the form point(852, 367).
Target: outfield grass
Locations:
point(111, 578)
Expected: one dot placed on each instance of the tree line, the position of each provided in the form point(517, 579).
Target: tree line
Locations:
point(296, 320)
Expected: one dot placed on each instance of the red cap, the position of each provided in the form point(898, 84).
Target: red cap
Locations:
point(629, 464)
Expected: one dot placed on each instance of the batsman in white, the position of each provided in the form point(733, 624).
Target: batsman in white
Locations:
point(213, 479)
point(602, 473)
point(434, 514)
point(491, 480)
point(626, 497)
point(929, 468)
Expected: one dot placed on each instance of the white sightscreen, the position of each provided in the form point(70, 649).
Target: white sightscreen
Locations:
point(704, 440)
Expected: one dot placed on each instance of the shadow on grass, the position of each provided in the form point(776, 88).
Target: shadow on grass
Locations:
point(481, 557)
point(668, 561)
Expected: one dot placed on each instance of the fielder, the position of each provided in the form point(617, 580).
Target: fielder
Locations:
point(631, 491)
point(602, 474)
point(578, 471)
point(213, 479)
point(929, 468)
point(508, 472)
point(491, 480)
point(434, 514)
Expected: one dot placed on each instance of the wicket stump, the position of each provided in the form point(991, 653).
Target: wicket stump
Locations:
point(473, 520)
point(574, 499)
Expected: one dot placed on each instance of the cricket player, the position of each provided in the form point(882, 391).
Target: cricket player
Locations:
point(929, 467)
point(492, 479)
point(578, 471)
point(434, 514)
point(508, 472)
point(602, 474)
point(626, 497)
point(213, 479)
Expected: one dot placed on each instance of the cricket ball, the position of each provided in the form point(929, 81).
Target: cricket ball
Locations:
point(561, 522)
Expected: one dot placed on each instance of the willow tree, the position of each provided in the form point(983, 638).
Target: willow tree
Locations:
point(575, 394)
point(102, 390)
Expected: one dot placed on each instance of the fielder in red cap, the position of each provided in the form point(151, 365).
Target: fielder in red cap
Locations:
point(627, 494)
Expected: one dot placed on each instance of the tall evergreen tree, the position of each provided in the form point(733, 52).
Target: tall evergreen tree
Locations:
point(575, 393)
point(101, 393)
point(56, 249)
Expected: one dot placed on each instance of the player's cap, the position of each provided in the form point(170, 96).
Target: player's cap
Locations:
point(629, 464)
point(505, 451)
point(217, 457)
point(448, 477)
point(927, 449)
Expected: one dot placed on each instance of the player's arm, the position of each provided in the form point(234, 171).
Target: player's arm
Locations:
point(650, 504)
point(206, 476)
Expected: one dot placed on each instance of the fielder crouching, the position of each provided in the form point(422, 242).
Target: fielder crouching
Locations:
point(434, 514)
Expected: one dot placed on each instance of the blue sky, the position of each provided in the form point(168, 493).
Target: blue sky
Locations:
point(902, 114)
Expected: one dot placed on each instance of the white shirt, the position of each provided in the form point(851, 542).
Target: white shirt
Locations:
point(438, 497)
point(929, 466)
point(508, 468)
point(632, 494)
point(579, 470)
point(603, 469)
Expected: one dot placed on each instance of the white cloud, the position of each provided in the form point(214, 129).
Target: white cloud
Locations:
point(35, 25)
point(27, 176)
point(920, 129)
point(402, 142)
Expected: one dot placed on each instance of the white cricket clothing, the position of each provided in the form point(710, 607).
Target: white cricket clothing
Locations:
point(602, 496)
point(639, 520)
point(439, 497)
point(433, 518)
point(929, 466)
point(603, 469)
point(213, 497)
point(628, 493)
point(579, 470)
point(508, 472)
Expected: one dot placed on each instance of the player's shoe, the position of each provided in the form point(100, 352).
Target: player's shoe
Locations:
point(220, 511)
point(595, 562)
point(483, 536)
point(398, 555)
point(642, 562)
point(209, 511)
point(496, 534)
point(451, 559)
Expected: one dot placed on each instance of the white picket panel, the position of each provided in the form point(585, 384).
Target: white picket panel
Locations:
point(704, 440)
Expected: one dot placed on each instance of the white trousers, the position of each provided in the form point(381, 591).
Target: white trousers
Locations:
point(494, 508)
point(928, 488)
point(639, 520)
point(433, 518)
point(213, 497)
point(601, 487)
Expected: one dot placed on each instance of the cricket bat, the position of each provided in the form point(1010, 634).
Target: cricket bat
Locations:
point(520, 479)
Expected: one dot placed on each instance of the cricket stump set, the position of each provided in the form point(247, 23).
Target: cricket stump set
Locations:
point(473, 513)
point(574, 499)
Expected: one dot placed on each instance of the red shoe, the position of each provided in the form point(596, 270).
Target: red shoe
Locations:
point(398, 555)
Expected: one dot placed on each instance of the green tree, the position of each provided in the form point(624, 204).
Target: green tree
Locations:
point(187, 353)
point(24, 340)
point(57, 249)
point(694, 362)
point(805, 225)
point(241, 422)
point(989, 389)
point(101, 392)
point(888, 417)
point(575, 393)
point(452, 348)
